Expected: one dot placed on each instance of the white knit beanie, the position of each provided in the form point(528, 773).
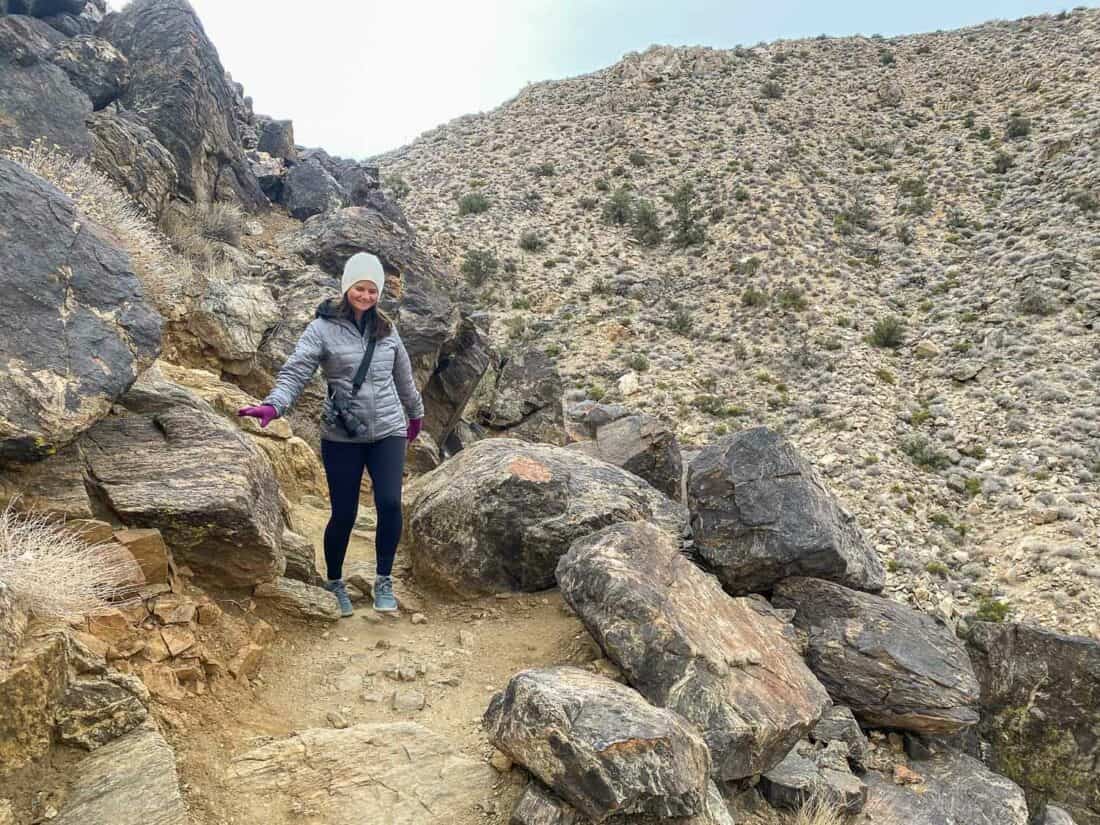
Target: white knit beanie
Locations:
point(362, 266)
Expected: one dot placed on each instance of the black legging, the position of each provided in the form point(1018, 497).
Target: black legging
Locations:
point(344, 463)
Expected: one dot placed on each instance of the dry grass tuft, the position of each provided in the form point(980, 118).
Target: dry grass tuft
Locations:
point(52, 573)
point(166, 277)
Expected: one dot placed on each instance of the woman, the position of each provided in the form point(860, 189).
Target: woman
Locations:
point(371, 390)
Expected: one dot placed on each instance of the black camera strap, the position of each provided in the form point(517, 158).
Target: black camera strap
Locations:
point(361, 373)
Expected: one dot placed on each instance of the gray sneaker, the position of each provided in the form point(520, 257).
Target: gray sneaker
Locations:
point(384, 602)
point(340, 591)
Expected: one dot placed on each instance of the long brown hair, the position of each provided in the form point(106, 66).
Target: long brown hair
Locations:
point(380, 324)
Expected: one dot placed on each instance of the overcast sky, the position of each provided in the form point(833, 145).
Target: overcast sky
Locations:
point(359, 77)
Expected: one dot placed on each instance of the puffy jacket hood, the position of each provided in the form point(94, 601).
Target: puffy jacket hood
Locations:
point(328, 308)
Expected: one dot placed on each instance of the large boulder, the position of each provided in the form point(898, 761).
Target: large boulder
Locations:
point(497, 516)
point(131, 781)
point(130, 155)
point(540, 806)
point(760, 513)
point(37, 99)
point(599, 745)
point(95, 67)
point(85, 22)
point(460, 366)
point(526, 398)
point(641, 444)
point(397, 773)
point(76, 328)
point(231, 319)
point(53, 486)
point(277, 139)
point(893, 666)
point(953, 788)
point(309, 190)
point(1040, 701)
point(98, 709)
point(42, 8)
point(30, 687)
point(169, 461)
point(180, 87)
point(730, 665)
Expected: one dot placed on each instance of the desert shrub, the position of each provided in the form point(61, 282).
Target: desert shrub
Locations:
point(886, 57)
point(602, 185)
point(223, 222)
point(619, 206)
point(923, 453)
point(478, 265)
point(887, 333)
point(1017, 126)
point(1002, 162)
point(53, 573)
point(686, 228)
point(771, 90)
point(167, 279)
point(645, 224)
point(472, 203)
point(753, 297)
point(587, 203)
point(681, 321)
point(637, 158)
point(530, 241)
point(991, 610)
point(543, 170)
point(791, 298)
point(638, 362)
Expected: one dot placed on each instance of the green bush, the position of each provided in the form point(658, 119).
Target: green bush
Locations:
point(991, 610)
point(473, 203)
point(1002, 162)
point(543, 170)
point(791, 298)
point(646, 224)
point(637, 158)
point(686, 229)
point(886, 57)
point(753, 297)
point(887, 333)
point(771, 90)
point(478, 265)
point(923, 453)
point(530, 241)
point(619, 207)
point(681, 321)
point(747, 266)
point(1017, 126)
point(638, 362)
point(602, 185)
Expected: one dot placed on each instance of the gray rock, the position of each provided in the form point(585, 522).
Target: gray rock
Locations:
point(808, 773)
point(760, 513)
point(30, 687)
point(498, 515)
point(270, 173)
point(231, 319)
point(131, 781)
point(95, 711)
point(462, 361)
point(181, 90)
point(169, 461)
point(54, 485)
point(729, 665)
point(300, 599)
point(599, 745)
point(76, 328)
point(277, 139)
point(642, 445)
point(129, 153)
point(42, 8)
point(539, 806)
point(309, 190)
point(588, 416)
point(1040, 694)
point(86, 22)
point(1054, 815)
point(396, 773)
point(301, 559)
point(95, 67)
point(894, 667)
point(526, 399)
point(956, 789)
point(838, 724)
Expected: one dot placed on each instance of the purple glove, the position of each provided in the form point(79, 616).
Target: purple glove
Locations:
point(265, 412)
point(414, 428)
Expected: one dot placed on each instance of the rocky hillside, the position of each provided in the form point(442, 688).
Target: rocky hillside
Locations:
point(886, 248)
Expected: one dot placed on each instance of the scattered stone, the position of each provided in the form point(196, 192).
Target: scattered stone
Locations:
point(408, 700)
point(838, 724)
point(337, 719)
point(954, 788)
point(309, 190)
point(402, 773)
point(498, 515)
point(149, 550)
point(208, 614)
point(729, 665)
point(300, 599)
point(1056, 816)
point(177, 639)
point(419, 618)
point(131, 781)
point(904, 775)
point(501, 761)
point(760, 513)
point(894, 667)
point(173, 609)
point(301, 559)
point(599, 744)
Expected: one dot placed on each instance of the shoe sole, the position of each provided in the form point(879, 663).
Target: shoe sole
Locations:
point(386, 609)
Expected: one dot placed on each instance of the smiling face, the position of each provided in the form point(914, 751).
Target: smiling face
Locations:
point(362, 296)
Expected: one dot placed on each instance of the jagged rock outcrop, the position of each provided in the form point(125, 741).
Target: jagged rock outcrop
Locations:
point(760, 513)
point(641, 444)
point(892, 665)
point(76, 330)
point(95, 67)
point(37, 98)
point(730, 665)
point(128, 152)
point(85, 22)
point(309, 190)
point(838, 724)
point(167, 460)
point(180, 87)
point(276, 138)
point(498, 515)
point(599, 745)
point(953, 787)
point(525, 400)
point(42, 8)
point(231, 320)
point(1040, 703)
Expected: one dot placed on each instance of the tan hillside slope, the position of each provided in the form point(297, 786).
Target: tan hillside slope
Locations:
point(890, 251)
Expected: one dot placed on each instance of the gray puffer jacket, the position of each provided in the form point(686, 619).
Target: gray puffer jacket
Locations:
point(335, 344)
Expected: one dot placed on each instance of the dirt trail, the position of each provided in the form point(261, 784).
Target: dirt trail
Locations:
point(318, 676)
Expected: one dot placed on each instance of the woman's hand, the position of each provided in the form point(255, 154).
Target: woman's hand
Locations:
point(265, 412)
point(414, 428)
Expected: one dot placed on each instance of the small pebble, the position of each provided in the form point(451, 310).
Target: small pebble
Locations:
point(419, 618)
